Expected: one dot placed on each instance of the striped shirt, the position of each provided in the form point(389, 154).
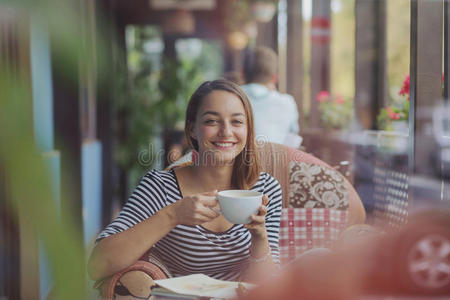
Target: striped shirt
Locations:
point(194, 249)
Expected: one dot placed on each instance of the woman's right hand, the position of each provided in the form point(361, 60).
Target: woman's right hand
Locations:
point(195, 209)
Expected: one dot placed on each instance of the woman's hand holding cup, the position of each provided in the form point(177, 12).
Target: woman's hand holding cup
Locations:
point(196, 209)
point(257, 226)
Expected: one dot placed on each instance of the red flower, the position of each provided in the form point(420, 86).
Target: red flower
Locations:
point(339, 99)
point(393, 115)
point(322, 96)
point(404, 91)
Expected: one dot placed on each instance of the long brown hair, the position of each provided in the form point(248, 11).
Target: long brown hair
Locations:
point(246, 166)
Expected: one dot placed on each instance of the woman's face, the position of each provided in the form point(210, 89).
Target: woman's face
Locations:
point(220, 128)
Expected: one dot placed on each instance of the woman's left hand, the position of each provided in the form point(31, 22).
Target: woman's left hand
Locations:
point(257, 226)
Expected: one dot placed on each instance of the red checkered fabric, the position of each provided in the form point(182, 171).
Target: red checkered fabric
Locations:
point(306, 228)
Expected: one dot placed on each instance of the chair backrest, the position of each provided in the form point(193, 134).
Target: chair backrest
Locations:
point(301, 173)
point(316, 200)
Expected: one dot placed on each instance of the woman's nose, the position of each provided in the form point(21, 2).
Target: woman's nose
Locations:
point(226, 129)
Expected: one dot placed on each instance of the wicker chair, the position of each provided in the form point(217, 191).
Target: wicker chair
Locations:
point(318, 203)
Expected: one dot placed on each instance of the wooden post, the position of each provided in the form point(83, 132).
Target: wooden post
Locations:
point(105, 113)
point(122, 115)
point(320, 56)
point(88, 72)
point(66, 114)
point(446, 169)
point(370, 64)
point(295, 54)
point(425, 84)
point(446, 51)
point(268, 34)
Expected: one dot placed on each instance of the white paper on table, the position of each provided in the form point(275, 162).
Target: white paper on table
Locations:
point(202, 285)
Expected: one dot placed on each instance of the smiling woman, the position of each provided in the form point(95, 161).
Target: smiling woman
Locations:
point(221, 129)
point(175, 212)
point(221, 111)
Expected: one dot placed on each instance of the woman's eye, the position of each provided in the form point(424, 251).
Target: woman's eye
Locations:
point(238, 122)
point(210, 122)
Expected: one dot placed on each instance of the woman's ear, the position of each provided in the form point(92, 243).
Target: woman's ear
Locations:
point(192, 133)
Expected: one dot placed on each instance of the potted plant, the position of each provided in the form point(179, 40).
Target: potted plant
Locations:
point(335, 111)
point(395, 117)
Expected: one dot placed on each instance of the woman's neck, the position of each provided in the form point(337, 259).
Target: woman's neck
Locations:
point(217, 177)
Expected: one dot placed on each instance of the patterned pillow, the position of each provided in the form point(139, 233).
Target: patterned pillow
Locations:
point(314, 186)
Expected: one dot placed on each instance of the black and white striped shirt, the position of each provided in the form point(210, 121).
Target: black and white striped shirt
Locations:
point(194, 249)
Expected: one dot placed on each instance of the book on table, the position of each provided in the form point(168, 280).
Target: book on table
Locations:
point(197, 287)
point(160, 293)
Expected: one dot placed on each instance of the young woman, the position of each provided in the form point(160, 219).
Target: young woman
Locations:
point(175, 211)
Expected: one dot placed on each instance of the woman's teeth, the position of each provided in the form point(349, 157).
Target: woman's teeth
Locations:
point(224, 144)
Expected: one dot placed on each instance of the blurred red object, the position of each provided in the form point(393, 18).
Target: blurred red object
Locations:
point(412, 261)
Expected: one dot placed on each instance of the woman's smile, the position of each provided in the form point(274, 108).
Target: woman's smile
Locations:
point(224, 145)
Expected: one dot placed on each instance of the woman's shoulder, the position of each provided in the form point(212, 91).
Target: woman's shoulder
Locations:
point(161, 182)
point(160, 176)
point(156, 173)
point(268, 180)
point(272, 188)
point(264, 176)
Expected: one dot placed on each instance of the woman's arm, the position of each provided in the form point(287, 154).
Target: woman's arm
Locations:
point(261, 261)
point(120, 250)
point(265, 234)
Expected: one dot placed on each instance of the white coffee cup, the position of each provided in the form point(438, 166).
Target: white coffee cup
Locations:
point(238, 205)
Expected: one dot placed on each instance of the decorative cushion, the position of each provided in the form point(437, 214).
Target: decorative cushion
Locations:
point(315, 186)
point(302, 229)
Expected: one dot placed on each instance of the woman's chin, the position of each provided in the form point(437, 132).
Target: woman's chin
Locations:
point(225, 159)
point(219, 158)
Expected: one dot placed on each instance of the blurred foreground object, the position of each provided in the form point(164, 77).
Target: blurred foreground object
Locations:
point(412, 261)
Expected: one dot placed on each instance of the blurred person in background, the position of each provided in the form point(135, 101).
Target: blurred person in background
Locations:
point(276, 114)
